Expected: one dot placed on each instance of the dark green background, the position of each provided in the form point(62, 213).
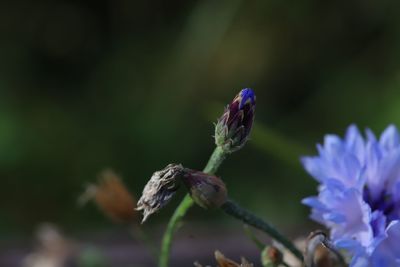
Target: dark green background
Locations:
point(135, 85)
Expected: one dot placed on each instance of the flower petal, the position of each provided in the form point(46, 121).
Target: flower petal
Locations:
point(387, 254)
point(390, 138)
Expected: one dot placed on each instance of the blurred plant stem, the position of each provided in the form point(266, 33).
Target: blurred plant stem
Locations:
point(216, 158)
point(138, 233)
point(260, 245)
point(277, 145)
point(204, 29)
point(233, 209)
point(91, 257)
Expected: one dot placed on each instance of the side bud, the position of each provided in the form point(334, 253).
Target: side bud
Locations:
point(208, 191)
point(159, 190)
point(319, 252)
point(233, 128)
point(271, 257)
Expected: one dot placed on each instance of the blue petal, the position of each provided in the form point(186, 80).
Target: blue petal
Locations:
point(357, 218)
point(333, 145)
point(313, 202)
point(388, 172)
point(370, 135)
point(396, 192)
point(334, 184)
point(390, 138)
point(387, 254)
point(360, 256)
point(360, 261)
point(247, 94)
point(350, 244)
point(378, 223)
point(335, 217)
point(313, 166)
point(355, 142)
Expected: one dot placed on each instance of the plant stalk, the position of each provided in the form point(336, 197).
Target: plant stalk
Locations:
point(216, 158)
point(260, 245)
point(233, 209)
point(138, 233)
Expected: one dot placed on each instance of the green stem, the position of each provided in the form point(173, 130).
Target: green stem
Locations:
point(234, 210)
point(217, 157)
point(251, 235)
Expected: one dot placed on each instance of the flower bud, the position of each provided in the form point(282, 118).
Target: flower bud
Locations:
point(159, 190)
point(320, 252)
point(271, 257)
point(233, 128)
point(112, 197)
point(208, 191)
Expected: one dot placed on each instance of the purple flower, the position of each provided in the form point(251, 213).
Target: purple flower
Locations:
point(359, 194)
point(233, 128)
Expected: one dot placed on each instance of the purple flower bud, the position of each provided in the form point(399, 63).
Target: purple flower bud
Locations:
point(233, 128)
point(208, 191)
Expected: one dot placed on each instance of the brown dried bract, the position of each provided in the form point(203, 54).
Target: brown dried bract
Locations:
point(112, 197)
point(159, 190)
point(225, 262)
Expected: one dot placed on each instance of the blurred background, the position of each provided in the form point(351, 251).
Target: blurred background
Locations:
point(135, 85)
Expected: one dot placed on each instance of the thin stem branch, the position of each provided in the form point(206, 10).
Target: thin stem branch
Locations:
point(216, 158)
point(233, 209)
point(260, 245)
point(138, 233)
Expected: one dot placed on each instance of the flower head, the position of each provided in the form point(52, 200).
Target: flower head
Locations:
point(233, 128)
point(359, 194)
point(159, 190)
point(207, 190)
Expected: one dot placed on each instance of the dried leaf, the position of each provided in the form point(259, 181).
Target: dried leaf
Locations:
point(112, 197)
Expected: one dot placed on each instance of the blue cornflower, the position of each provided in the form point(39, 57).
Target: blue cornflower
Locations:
point(359, 194)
